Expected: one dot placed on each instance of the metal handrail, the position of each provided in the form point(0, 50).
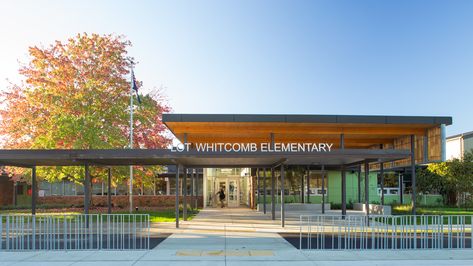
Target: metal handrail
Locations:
point(20, 232)
point(385, 232)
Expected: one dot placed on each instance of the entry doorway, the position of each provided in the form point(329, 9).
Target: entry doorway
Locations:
point(234, 181)
point(231, 186)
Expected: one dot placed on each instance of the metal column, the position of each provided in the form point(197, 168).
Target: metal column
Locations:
point(168, 186)
point(367, 195)
point(381, 173)
point(196, 188)
point(344, 180)
point(282, 196)
point(273, 200)
point(264, 190)
point(184, 194)
point(413, 174)
point(426, 148)
point(14, 193)
point(443, 143)
point(109, 191)
point(302, 188)
point(308, 184)
point(323, 189)
point(34, 190)
point(401, 192)
point(177, 195)
point(359, 183)
point(193, 189)
point(86, 189)
point(257, 189)
point(344, 192)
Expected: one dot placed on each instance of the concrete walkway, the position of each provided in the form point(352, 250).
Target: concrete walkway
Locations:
point(234, 237)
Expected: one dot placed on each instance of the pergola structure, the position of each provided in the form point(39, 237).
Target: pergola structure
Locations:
point(386, 141)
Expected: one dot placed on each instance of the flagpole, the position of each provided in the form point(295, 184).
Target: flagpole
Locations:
point(131, 141)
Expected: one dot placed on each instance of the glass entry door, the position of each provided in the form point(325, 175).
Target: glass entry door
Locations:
point(231, 187)
point(233, 192)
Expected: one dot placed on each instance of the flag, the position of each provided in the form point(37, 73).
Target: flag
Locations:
point(134, 86)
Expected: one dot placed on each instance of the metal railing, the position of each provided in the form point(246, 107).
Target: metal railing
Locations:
point(74, 232)
point(385, 232)
point(125, 231)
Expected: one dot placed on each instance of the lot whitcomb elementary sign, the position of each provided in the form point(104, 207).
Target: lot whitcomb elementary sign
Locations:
point(253, 147)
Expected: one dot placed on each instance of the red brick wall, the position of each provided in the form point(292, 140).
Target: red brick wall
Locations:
point(117, 201)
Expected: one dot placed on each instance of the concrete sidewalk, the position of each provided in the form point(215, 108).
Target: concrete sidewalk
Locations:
point(234, 237)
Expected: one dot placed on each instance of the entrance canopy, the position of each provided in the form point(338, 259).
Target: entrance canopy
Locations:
point(355, 139)
point(116, 157)
point(360, 132)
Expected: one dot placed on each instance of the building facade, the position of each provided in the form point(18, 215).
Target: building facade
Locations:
point(457, 145)
point(277, 159)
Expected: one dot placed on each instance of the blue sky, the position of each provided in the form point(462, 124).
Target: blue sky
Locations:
point(282, 57)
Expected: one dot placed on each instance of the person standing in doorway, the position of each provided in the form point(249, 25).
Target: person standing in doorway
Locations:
point(221, 197)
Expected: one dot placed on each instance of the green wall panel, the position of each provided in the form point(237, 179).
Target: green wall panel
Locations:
point(335, 187)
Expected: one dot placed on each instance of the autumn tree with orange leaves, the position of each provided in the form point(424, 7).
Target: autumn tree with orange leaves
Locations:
point(75, 95)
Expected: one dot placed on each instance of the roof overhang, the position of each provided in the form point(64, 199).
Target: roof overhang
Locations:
point(359, 131)
point(117, 157)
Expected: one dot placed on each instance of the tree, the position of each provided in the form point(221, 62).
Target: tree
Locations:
point(428, 181)
point(75, 95)
point(461, 171)
point(452, 179)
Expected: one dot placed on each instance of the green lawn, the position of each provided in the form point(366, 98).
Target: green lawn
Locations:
point(457, 214)
point(406, 209)
point(165, 215)
point(155, 216)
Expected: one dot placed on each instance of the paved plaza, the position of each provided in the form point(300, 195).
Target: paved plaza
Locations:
point(234, 237)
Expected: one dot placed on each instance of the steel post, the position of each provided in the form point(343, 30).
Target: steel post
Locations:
point(413, 174)
point(381, 173)
point(282, 197)
point(109, 191)
point(302, 188)
point(257, 189)
point(86, 189)
point(184, 194)
point(323, 189)
point(359, 183)
point(273, 194)
point(308, 184)
point(443, 143)
point(193, 189)
point(367, 195)
point(401, 188)
point(344, 192)
point(34, 190)
point(197, 188)
point(177, 195)
point(264, 190)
